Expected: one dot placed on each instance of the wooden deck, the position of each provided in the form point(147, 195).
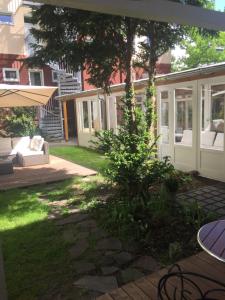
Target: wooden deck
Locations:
point(146, 287)
point(58, 169)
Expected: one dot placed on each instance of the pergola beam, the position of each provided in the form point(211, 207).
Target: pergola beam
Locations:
point(158, 10)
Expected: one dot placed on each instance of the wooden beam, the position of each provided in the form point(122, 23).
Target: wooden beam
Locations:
point(157, 10)
point(65, 118)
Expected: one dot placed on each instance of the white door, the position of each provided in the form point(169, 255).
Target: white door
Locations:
point(177, 111)
point(211, 156)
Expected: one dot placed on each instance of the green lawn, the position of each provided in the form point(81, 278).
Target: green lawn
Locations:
point(34, 253)
point(83, 156)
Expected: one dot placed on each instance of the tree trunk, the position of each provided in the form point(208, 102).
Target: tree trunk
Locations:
point(151, 93)
point(129, 86)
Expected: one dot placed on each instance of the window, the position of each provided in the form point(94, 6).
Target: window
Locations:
point(140, 102)
point(85, 115)
point(183, 118)
point(6, 18)
point(94, 115)
point(119, 110)
point(164, 117)
point(10, 74)
point(54, 76)
point(36, 77)
point(212, 106)
point(103, 114)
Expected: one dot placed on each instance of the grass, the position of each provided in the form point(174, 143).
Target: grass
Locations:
point(83, 156)
point(36, 260)
point(34, 252)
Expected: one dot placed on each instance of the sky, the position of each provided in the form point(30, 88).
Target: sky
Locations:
point(220, 4)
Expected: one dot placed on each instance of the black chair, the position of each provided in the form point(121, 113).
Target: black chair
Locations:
point(184, 287)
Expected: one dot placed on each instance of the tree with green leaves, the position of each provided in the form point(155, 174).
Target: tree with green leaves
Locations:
point(201, 50)
point(104, 44)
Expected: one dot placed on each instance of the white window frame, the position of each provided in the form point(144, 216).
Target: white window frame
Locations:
point(54, 80)
point(85, 129)
point(37, 71)
point(17, 79)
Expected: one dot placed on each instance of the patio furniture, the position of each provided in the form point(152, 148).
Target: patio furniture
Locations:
point(6, 166)
point(211, 237)
point(24, 150)
point(182, 285)
point(187, 137)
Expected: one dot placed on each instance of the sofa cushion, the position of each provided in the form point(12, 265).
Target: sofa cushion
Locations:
point(218, 125)
point(30, 152)
point(36, 143)
point(5, 146)
point(187, 137)
point(21, 143)
point(207, 138)
point(219, 141)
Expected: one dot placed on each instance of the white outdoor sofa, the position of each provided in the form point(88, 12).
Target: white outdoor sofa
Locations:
point(209, 139)
point(25, 151)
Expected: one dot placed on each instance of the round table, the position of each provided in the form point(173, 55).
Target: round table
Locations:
point(211, 238)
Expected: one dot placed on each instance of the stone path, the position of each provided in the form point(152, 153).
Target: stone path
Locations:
point(100, 262)
point(211, 198)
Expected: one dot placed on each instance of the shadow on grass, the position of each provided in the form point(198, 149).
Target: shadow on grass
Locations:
point(36, 258)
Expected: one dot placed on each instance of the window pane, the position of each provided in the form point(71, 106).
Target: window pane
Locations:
point(10, 74)
point(212, 133)
point(36, 78)
point(103, 114)
point(94, 115)
point(183, 108)
point(119, 110)
point(6, 19)
point(85, 115)
point(165, 117)
point(140, 102)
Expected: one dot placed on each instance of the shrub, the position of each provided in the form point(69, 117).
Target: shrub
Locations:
point(21, 122)
point(132, 152)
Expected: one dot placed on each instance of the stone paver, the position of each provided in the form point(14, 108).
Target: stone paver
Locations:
point(109, 244)
point(79, 248)
point(146, 263)
point(122, 258)
point(74, 218)
point(211, 198)
point(130, 274)
point(87, 224)
point(83, 267)
point(109, 270)
point(97, 283)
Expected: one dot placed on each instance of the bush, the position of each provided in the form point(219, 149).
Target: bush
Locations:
point(21, 122)
point(132, 152)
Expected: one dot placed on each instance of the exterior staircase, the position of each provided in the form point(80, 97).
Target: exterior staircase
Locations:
point(51, 120)
point(51, 125)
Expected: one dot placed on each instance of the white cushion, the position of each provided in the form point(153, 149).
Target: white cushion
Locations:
point(218, 125)
point(5, 145)
point(187, 137)
point(36, 143)
point(207, 138)
point(21, 143)
point(30, 152)
point(219, 141)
